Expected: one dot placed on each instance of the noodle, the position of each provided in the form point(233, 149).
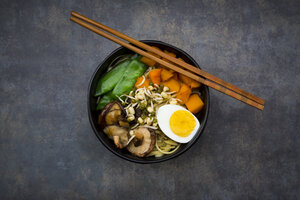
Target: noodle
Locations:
point(167, 146)
point(166, 152)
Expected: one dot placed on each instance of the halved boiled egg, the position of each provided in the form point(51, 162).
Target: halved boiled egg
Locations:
point(177, 123)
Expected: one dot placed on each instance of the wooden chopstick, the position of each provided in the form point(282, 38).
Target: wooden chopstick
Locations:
point(169, 65)
point(172, 59)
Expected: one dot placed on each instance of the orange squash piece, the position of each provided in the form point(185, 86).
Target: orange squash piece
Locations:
point(170, 53)
point(139, 81)
point(194, 104)
point(184, 93)
point(195, 84)
point(157, 49)
point(160, 65)
point(171, 70)
point(172, 84)
point(176, 76)
point(154, 53)
point(147, 61)
point(166, 74)
point(185, 79)
point(154, 76)
point(192, 83)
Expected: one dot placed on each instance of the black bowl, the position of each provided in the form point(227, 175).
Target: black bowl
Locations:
point(93, 113)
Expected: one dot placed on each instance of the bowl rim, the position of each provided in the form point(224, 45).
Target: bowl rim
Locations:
point(189, 145)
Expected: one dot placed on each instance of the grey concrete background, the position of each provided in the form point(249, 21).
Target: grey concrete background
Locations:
point(49, 151)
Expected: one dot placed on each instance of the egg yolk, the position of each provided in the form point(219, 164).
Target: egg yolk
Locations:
point(182, 123)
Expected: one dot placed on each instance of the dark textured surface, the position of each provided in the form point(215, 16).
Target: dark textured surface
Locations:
point(49, 151)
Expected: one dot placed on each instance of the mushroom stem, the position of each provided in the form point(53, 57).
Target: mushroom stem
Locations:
point(117, 141)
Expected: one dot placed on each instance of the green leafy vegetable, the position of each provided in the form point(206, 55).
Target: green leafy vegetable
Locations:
point(133, 71)
point(110, 80)
point(125, 83)
point(105, 99)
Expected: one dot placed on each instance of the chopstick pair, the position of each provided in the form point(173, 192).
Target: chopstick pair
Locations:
point(217, 83)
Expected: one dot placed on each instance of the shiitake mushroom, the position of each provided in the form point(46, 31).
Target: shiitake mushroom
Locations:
point(112, 120)
point(118, 134)
point(113, 113)
point(143, 143)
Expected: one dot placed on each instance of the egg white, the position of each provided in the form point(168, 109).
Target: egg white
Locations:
point(164, 114)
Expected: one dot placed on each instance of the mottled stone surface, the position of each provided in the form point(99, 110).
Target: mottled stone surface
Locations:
point(49, 151)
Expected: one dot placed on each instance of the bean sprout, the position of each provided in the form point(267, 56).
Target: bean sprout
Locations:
point(130, 97)
point(138, 90)
point(120, 99)
point(171, 92)
point(147, 126)
point(136, 125)
point(131, 138)
point(142, 81)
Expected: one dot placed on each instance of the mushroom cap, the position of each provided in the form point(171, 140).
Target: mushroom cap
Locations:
point(146, 145)
point(113, 113)
point(120, 135)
